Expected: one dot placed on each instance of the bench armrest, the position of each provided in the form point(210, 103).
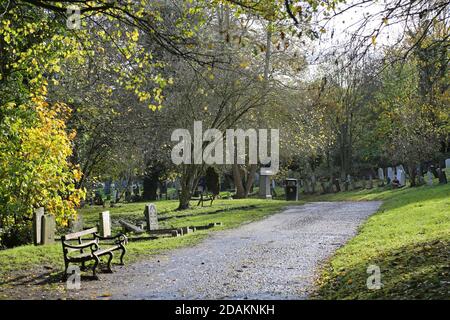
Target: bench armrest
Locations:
point(119, 239)
point(83, 245)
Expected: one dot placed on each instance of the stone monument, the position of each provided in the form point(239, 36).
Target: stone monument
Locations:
point(264, 183)
point(105, 224)
point(151, 217)
point(48, 229)
point(37, 225)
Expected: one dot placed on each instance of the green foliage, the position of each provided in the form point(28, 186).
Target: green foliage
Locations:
point(34, 167)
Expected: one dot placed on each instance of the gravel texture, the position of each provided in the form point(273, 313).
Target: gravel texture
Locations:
point(275, 258)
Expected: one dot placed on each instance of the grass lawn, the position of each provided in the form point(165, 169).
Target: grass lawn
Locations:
point(409, 239)
point(33, 260)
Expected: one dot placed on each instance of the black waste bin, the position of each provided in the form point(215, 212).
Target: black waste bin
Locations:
point(291, 189)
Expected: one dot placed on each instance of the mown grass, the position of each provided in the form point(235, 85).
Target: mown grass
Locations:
point(31, 259)
point(408, 239)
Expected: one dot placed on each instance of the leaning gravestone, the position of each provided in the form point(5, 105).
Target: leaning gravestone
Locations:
point(130, 227)
point(105, 224)
point(151, 217)
point(37, 225)
point(48, 229)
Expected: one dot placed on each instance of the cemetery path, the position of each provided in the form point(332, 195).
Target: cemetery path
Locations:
point(275, 258)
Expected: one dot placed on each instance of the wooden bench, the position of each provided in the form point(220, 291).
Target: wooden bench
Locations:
point(204, 197)
point(91, 249)
point(201, 197)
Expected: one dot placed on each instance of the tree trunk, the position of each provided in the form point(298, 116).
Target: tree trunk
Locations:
point(237, 178)
point(250, 179)
point(189, 181)
point(150, 188)
point(243, 180)
point(412, 175)
point(185, 197)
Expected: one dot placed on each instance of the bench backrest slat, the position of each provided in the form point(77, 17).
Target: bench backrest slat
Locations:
point(79, 234)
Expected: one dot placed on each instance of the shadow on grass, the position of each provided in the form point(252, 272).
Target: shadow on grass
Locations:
point(397, 197)
point(419, 271)
point(54, 277)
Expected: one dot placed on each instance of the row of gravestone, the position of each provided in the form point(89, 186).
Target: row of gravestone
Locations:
point(400, 174)
point(43, 227)
point(44, 224)
point(391, 174)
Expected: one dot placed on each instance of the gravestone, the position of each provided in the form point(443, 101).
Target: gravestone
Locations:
point(447, 163)
point(381, 174)
point(370, 182)
point(264, 184)
point(430, 178)
point(37, 225)
point(151, 217)
point(187, 230)
point(105, 224)
point(349, 180)
point(128, 227)
point(337, 185)
point(48, 229)
point(390, 174)
point(401, 176)
point(76, 224)
point(113, 195)
point(400, 168)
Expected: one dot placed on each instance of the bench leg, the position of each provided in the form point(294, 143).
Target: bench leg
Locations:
point(97, 261)
point(122, 255)
point(110, 254)
point(66, 266)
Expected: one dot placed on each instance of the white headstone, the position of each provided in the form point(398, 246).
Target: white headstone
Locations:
point(447, 163)
point(37, 225)
point(380, 173)
point(430, 178)
point(105, 224)
point(390, 173)
point(151, 217)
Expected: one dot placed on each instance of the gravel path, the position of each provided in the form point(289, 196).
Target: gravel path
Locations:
point(275, 258)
